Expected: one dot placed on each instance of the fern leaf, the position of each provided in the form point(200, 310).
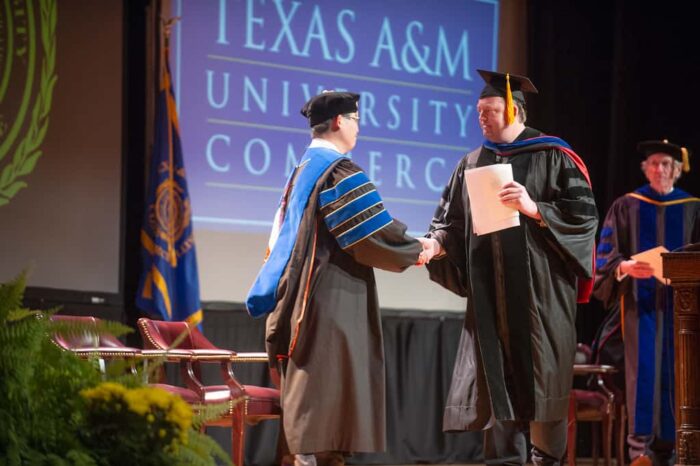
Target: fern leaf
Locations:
point(11, 295)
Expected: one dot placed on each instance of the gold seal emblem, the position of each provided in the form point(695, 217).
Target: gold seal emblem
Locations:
point(27, 79)
point(169, 217)
point(171, 211)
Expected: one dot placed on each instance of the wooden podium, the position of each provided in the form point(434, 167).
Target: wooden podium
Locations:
point(683, 268)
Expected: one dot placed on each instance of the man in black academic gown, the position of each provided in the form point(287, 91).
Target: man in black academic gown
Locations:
point(514, 365)
point(317, 288)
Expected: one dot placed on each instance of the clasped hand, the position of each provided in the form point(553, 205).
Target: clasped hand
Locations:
point(513, 194)
point(431, 248)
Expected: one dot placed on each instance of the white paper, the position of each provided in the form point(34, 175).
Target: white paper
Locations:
point(487, 211)
point(653, 258)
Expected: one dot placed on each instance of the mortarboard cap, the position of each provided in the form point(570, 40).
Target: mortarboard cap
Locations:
point(329, 104)
point(497, 83)
point(506, 85)
point(647, 148)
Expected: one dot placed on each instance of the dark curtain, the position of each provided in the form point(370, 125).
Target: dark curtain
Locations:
point(613, 73)
point(420, 351)
point(610, 74)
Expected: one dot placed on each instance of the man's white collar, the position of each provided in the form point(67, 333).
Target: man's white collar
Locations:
point(324, 143)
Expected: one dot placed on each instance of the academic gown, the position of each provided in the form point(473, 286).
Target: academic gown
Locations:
point(325, 330)
point(636, 222)
point(516, 354)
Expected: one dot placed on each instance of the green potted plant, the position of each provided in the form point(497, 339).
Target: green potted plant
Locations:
point(57, 409)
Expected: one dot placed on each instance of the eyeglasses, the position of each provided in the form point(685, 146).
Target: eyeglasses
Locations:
point(352, 117)
point(664, 164)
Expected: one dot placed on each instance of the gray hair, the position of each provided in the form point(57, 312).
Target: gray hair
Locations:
point(321, 128)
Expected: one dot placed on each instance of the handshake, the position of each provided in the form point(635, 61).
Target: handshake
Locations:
point(431, 249)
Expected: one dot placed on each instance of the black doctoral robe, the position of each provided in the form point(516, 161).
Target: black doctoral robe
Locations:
point(326, 329)
point(515, 359)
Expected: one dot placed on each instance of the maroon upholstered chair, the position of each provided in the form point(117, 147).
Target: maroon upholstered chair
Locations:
point(87, 341)
point(248, 404)
point(599, 406)
point(88, 338)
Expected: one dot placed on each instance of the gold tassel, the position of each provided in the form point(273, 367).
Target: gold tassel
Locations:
point(686, 159)
point(510, 110)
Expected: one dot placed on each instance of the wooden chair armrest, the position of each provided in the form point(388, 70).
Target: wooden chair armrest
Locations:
point(251, 357)
point(106, 352)
point(588, 369)
point(200, 355)
point(169, 355)
point(212, 355)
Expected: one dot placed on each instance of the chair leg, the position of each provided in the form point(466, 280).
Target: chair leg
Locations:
point(571, 432)
point(238, 433)
point(621, 423)
point(607, 438)
point(595, 442)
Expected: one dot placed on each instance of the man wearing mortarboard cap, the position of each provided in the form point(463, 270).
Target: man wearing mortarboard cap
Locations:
point(657, 214)
point(516, 356)
point(323, 330)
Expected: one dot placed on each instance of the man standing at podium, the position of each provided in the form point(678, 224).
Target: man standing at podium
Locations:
point(657, 214)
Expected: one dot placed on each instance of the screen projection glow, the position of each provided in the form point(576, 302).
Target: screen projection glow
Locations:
point(244, 68)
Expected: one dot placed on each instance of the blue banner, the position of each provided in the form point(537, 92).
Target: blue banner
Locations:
point(169, 283)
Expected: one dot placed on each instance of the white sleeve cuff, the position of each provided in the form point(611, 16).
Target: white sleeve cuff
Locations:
point(619, 276)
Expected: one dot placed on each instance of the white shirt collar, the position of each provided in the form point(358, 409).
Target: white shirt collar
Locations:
point(324, 143)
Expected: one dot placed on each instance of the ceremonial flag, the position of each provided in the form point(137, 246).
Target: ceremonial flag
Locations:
point(169, 284)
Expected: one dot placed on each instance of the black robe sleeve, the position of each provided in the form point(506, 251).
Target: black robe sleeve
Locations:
point(570, 214)
point(613, 248)
point(363, 227)
point(448, 228)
